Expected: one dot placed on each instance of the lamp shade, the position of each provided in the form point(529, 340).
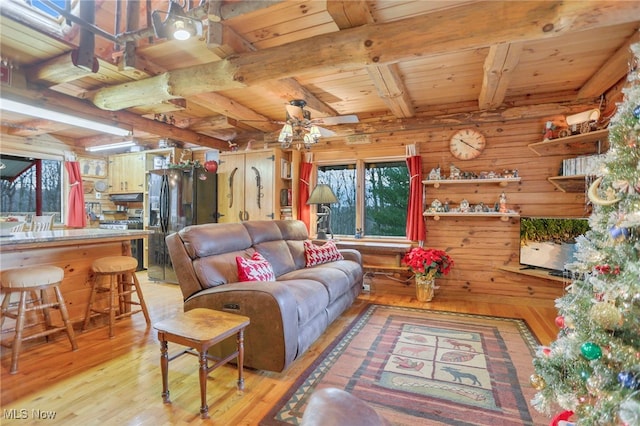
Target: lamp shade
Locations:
point(322, 194)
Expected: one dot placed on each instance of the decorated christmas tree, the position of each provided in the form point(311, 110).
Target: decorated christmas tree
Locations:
point(591, 372)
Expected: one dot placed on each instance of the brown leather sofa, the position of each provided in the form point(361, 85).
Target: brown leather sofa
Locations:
point(287, 315)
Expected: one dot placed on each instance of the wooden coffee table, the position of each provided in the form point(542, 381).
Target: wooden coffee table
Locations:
point(200, 329)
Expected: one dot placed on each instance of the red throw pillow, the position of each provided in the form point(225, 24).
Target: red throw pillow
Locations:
point(316, 255)
point(255, 269)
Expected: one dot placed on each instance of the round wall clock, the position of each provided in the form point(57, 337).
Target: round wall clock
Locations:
point(467, 144)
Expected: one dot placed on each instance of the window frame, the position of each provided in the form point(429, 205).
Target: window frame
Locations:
point(359, 162)
point(64, 186)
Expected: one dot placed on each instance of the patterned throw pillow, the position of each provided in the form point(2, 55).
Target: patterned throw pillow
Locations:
point(315, 255)
point(255, 269)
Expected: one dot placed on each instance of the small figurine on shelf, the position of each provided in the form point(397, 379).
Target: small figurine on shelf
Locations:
point(464, 206)
point(454, 172)
point(434, 174)
point(549, 127)
point(503, 203)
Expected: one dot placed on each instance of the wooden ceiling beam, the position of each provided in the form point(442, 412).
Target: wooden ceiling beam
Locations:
point(611, 71)
point(224, 42)
point(225, 106)
point(470, 27)
point(385, 77)
point(50, 99)
point(220, 10)
point(455, 119)
point(498, 66)
point(391, 89)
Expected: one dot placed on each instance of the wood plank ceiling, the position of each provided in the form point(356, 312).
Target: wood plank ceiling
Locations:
point(395, 64)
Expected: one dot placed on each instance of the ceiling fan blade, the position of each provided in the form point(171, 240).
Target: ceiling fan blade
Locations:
point(326, 133)
point(295, 112)
point(340, 119)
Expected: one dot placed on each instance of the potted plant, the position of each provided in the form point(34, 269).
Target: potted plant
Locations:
point(427, 264)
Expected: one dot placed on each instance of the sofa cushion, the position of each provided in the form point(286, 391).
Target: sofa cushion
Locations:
point(267, 238)
point(317, 255)
point(335, 281)
point(255, 269)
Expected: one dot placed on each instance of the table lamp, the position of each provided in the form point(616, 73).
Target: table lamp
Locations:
point(322, 195)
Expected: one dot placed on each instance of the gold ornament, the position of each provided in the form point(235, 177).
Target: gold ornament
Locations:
point(537, 382)
point(595, 198)
point(606, 315)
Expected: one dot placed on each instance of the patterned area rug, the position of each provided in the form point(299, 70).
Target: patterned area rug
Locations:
point(417, 366)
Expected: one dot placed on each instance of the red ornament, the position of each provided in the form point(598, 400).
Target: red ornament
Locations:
point(560, 321)
point(562, 417)
point(211, 166)
point(546, 351)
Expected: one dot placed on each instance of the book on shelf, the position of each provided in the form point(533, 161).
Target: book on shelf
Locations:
point(582, 165)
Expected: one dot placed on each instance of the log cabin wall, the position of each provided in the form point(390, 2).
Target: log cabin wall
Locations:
point(479, 246)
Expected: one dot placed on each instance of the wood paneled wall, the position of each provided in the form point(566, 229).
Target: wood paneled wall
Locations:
point(481, 246)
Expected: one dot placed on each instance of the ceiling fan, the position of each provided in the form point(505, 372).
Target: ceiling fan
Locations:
point(300, 126)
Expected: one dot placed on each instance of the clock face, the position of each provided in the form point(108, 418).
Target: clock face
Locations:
point(467, 144)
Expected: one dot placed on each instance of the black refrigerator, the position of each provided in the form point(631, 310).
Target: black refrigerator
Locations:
point(177, 198)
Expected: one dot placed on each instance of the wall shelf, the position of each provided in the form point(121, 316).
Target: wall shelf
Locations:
point(595, 142)
point(502, 216)
point(569, 183)
point(538, 273)
point(499, 181)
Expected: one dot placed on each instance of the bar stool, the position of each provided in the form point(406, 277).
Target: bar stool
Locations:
point(122, 283)
point(28, 281)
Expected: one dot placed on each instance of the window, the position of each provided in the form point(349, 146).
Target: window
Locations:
point(20, 187)
point(385, 189)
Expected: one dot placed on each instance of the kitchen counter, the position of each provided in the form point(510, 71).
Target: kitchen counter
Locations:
point(22, 240)
point(73, 250)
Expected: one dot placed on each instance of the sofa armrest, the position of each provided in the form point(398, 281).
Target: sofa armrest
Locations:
point(271, 339)
point(352, 254)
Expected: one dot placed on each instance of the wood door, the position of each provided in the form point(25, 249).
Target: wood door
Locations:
point(259, 185)
point(116, 171)
point(231, 187)
point(134, 172)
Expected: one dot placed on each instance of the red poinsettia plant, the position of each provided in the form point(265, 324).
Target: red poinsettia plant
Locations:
point(429, 262)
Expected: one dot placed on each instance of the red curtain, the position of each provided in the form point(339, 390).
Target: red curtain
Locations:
point(415, 220)
point(77, 217)
point(304, 210)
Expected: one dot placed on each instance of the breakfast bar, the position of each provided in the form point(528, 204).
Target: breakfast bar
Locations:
point(73, 250)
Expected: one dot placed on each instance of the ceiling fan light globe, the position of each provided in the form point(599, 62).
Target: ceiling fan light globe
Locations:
point(180, 31)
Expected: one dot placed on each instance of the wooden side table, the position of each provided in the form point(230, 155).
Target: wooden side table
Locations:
point(200, 329)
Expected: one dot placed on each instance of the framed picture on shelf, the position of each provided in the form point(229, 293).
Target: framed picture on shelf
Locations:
point(93, 167)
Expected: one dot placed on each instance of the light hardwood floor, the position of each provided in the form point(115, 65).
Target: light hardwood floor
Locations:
point(117, 381)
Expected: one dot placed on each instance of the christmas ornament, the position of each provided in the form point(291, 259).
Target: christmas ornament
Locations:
point(560, 321)
point(595, 198)
point(537, 382)
point(618, 233)
point(629, 379)
point(636, 112)
point(584, 374)
point(590, 351)
point(546, 351)
point(562, 417)
point(606, 315)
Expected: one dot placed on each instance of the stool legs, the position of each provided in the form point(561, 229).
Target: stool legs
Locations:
point(121, 285)
point(38, 302)
point(17, 341)
point(65, 318)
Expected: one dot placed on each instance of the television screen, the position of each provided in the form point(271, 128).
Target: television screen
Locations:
point(549, 242)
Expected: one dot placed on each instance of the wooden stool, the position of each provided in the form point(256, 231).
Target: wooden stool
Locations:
point(123, 281)
point(30, 280)
point(200, 329)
